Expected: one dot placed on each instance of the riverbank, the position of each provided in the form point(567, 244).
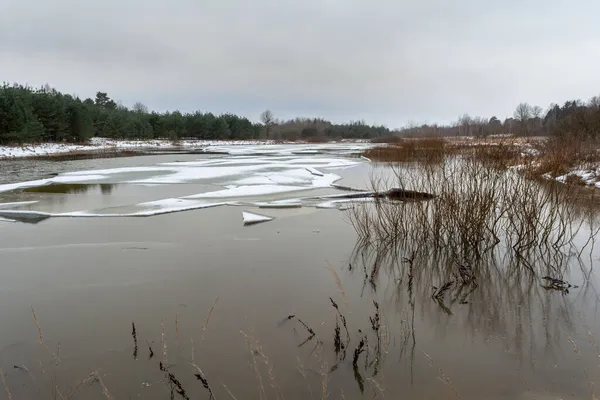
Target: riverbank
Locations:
point(103, 148)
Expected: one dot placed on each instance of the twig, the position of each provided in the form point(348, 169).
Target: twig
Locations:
point(105, 391)
point(338, 283)
point(37, 322)
point(177, 327)
point(228, 391)
point(445, 379)
point(163, 343)
point(205, 325)
point(5, 385)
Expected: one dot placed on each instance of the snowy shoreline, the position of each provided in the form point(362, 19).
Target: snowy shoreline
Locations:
point(97, 145)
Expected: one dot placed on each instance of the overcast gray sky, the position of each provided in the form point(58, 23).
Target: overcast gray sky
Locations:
point(384, 61)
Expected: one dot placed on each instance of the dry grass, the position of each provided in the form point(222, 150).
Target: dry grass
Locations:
point(388, 139)
point(207, 320)
point(422, 150)
point(39, 328)
point(561, 154)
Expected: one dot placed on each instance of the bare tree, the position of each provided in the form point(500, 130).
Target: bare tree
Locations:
point(464, 125)
point(140, 108)
point(523, 115)
point(268, 120)
point(595, 102)
point(536, 111)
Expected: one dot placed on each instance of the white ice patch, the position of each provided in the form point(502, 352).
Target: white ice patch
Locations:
point(76, 179)
point(158, 207)
point(23, 185)
point(4, 206)
point(250, 218)
point(247, 190)
point(326, 180)
point(314, 171)
point(337, 204)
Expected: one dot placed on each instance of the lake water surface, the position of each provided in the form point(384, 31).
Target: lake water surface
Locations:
point(94, 245)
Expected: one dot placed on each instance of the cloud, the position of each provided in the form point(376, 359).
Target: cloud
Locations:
point(385, 61)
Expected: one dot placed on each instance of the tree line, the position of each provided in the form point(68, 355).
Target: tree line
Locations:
point(573, 118)
point(30, 115)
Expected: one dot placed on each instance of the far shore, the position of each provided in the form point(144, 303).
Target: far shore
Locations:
point(108, 148)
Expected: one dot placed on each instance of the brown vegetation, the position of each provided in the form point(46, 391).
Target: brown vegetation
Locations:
point(388, 139)
point(421, 150)
point(476, 208)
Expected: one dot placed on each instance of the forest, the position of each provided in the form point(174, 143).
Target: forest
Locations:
point(575, 118)
point(32, 115)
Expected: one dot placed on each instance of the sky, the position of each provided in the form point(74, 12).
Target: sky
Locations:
point(390, 62)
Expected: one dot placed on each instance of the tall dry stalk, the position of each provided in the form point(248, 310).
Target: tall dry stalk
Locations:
point(338, 283)
point(39, 328)
point(6, 389)
point(207, 320)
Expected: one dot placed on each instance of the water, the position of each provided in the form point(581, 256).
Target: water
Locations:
point(88, 279)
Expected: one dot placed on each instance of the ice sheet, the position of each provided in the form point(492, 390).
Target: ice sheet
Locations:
point(247, 190)
point(15, 204)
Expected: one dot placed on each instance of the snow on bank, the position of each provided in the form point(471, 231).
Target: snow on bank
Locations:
point(236, 147)
point(589, 176)
point(102, 144)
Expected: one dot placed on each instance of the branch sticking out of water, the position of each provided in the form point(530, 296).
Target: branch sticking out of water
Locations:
point(135, 342)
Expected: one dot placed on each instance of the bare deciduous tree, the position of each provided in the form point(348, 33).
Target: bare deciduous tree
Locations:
point(140, 108)
point(268, 120)
point(536, 111)
point(523, 114)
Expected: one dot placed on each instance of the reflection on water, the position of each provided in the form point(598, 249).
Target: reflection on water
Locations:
point(72, 188)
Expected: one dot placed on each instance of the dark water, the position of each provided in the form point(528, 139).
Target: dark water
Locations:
point(88, 279)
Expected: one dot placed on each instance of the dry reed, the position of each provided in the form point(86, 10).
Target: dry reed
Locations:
point(228, 391)
point(442, 376)
point(338, 283)
point(6, 389)
point(39, 328)
point(207, 320)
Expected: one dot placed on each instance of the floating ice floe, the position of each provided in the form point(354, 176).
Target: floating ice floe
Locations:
point(343, 204)
point(288, 203)
point(314, 171)
point(4, 206)
point(246, 190)
point(250, 218)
